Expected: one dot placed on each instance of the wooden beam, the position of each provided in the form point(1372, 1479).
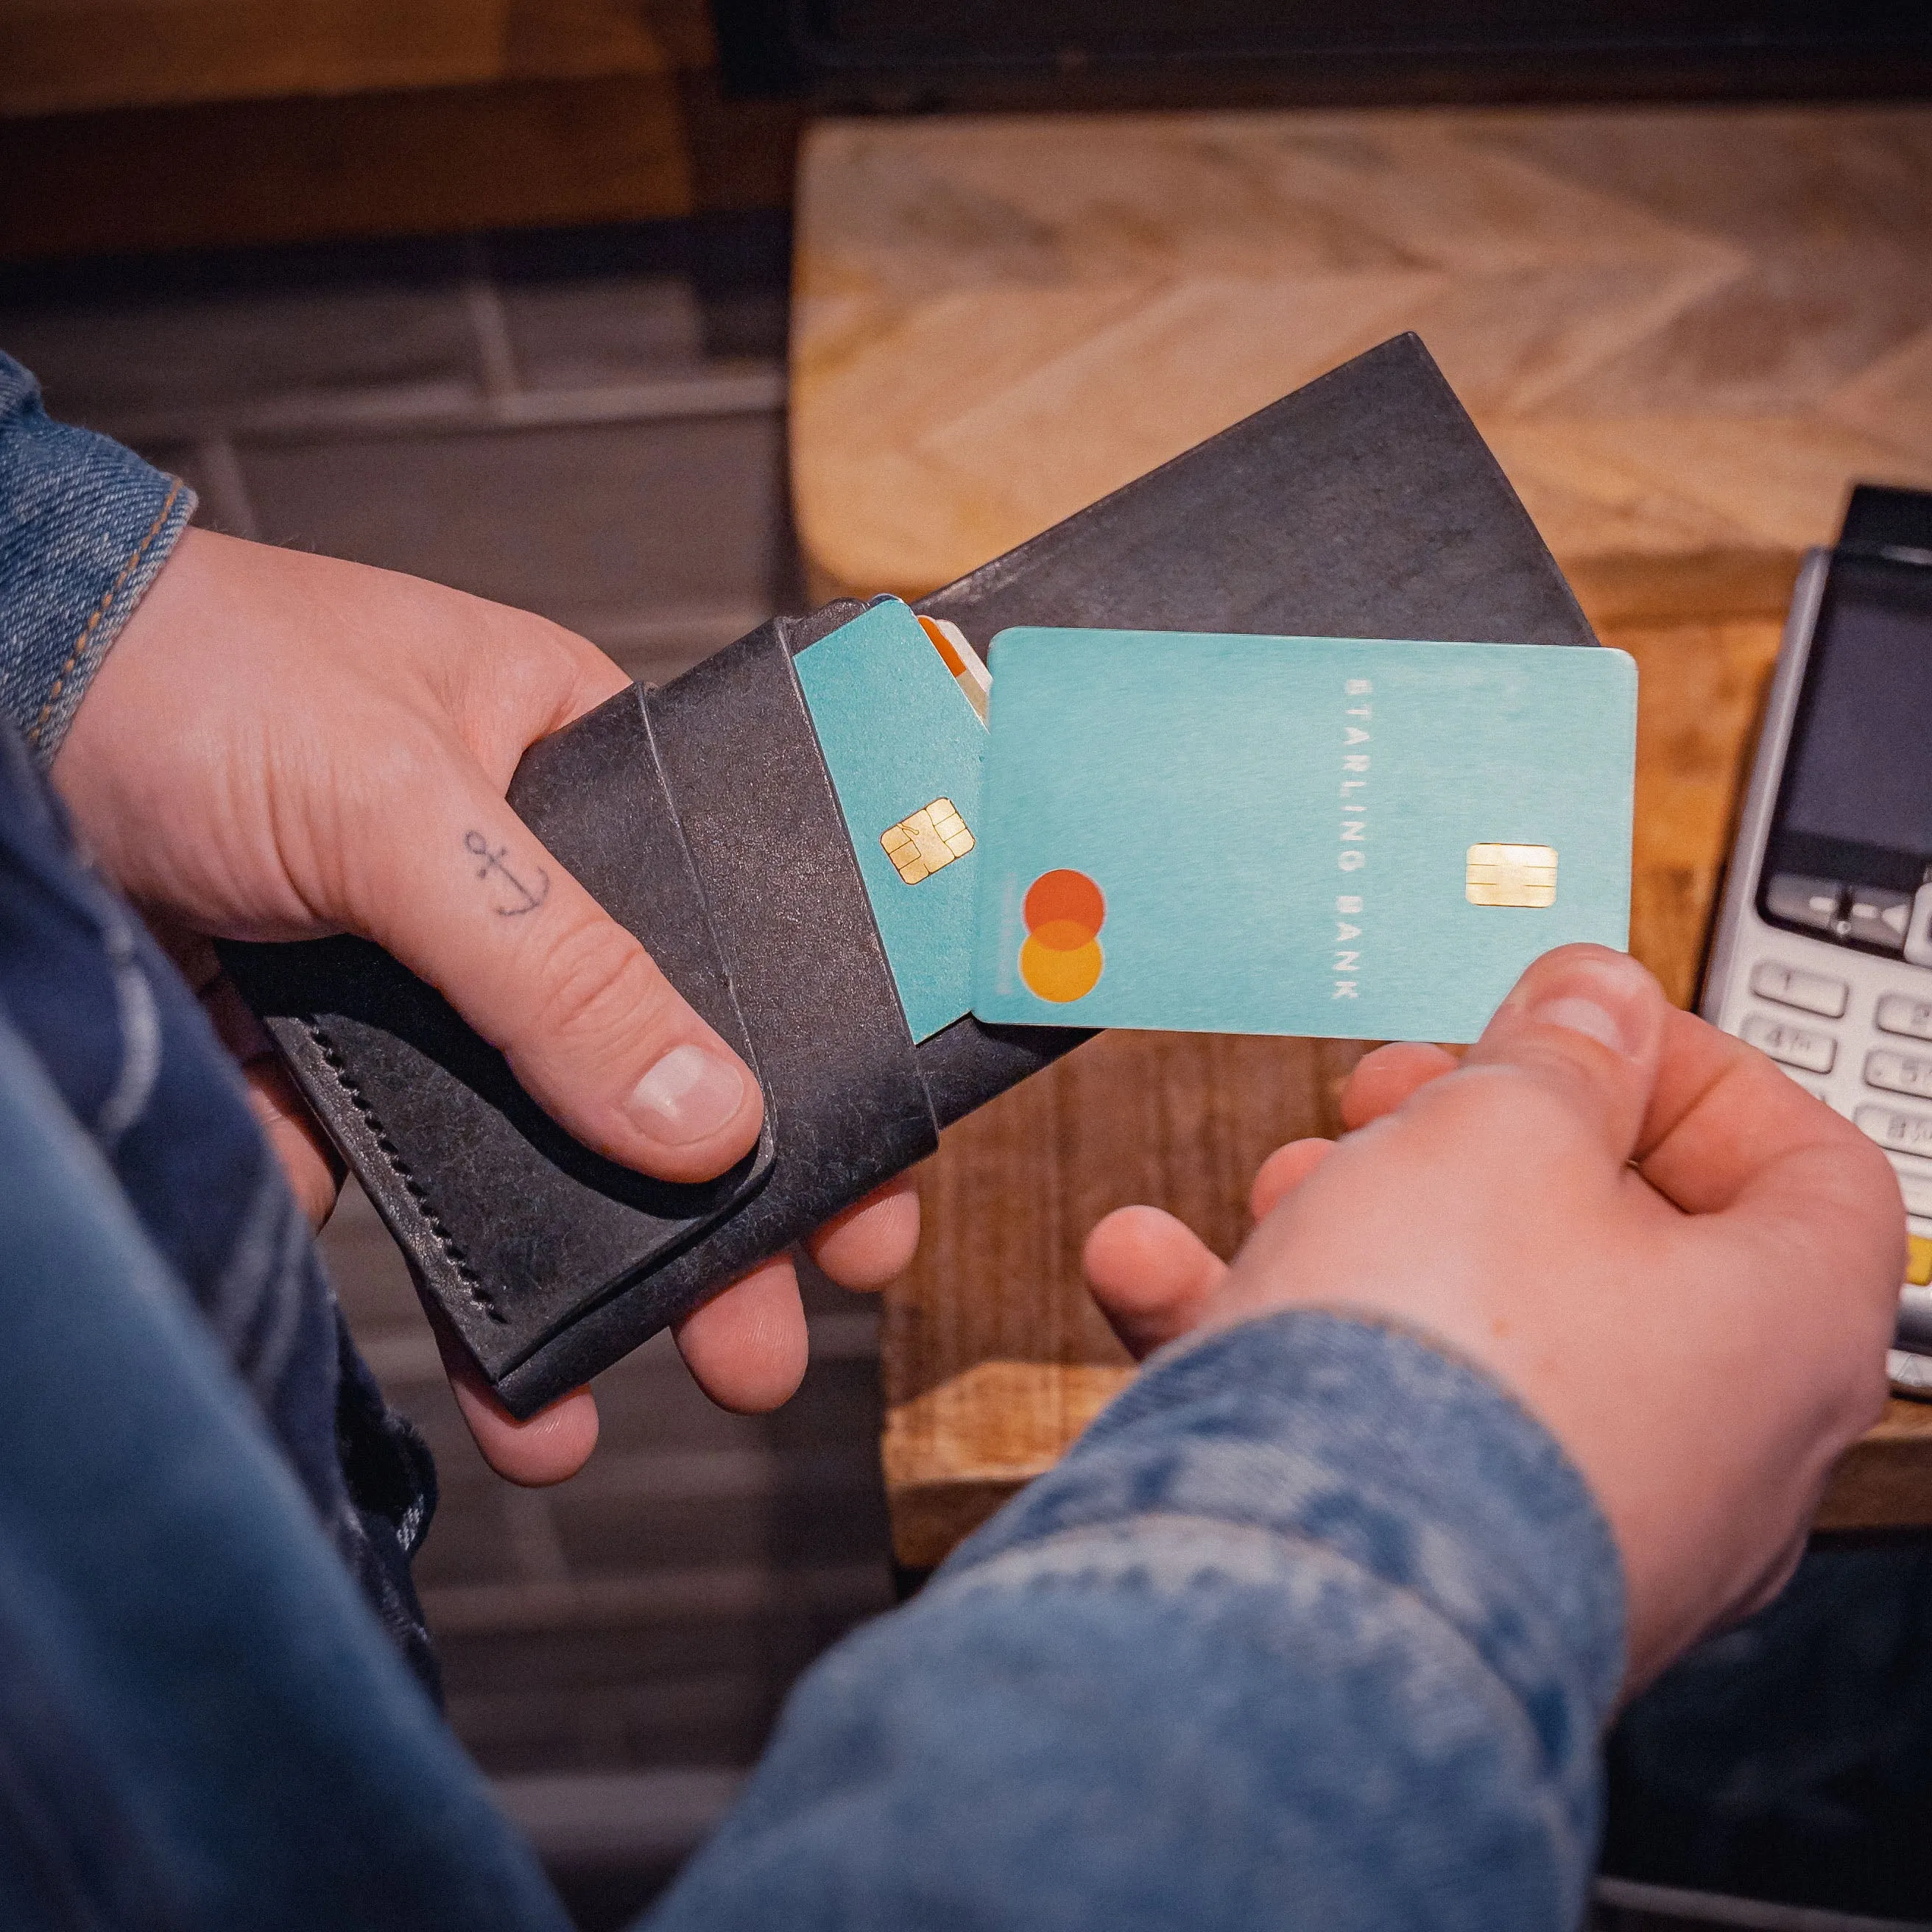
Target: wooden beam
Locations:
point(514, 154)
point(606, 110)
point(73, 56)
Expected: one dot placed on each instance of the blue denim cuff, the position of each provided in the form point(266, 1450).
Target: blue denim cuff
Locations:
point(85, 525)
point(1314, 1430)
point(1313, 1627)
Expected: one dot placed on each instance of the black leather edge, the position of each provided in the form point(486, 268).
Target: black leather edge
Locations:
point(438, 1259)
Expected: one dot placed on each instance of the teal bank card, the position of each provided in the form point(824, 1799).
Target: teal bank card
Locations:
point(1313, 835)
point(905, 747)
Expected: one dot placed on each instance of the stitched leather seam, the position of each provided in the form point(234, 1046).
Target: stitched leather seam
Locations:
point(101, 610)
point(480, 1298)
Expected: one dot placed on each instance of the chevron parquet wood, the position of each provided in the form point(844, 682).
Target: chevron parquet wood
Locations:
point(1684, 331)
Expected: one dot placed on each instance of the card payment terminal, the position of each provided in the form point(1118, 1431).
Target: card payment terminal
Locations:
point(1822, 953)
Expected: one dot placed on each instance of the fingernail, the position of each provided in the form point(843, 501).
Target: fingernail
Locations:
point(688, 1094)
point(1610, 1003)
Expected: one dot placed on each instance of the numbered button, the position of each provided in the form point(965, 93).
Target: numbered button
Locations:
point(1894, 1128)
point(1899, 1013)
point(1793, 986)
point(1899, 1072)
point(1810, 1048)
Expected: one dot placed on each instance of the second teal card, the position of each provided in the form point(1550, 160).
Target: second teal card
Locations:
point(1334, 837)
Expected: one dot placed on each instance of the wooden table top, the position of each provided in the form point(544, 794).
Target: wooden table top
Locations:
point(1680, 329)
point(1685, 332)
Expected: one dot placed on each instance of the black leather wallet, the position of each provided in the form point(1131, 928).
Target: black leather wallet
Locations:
point(1365, 504)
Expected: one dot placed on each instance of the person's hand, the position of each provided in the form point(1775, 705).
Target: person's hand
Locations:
point(1682, 1263)
point(280, 746)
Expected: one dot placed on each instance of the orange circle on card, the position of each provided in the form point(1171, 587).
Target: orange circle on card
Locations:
point(1061, 974)
point(1065, 894)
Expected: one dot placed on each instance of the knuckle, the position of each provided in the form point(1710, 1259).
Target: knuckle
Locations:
point(600, 991)
point(1534, 1100)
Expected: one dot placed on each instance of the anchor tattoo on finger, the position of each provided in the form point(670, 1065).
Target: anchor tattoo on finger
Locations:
point(494, 861)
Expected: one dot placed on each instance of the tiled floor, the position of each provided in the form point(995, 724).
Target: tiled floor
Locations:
point(591, 426)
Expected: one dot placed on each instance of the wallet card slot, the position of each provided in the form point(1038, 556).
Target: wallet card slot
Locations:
point(775, 861)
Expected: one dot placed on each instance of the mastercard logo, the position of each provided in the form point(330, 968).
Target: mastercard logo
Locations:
point(1060, 959)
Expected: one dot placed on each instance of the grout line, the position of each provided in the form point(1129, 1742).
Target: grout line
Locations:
point(489, 324)
point(742, 388)
point(708, 1593)
point(1711, 1908)
point(674, 1701)
point(617, 1816)
point(227, 489)
point(727, 1475)
point(409, 1355)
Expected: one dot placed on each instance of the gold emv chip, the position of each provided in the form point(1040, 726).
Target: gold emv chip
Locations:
point(1511, 875)
point(933, 837)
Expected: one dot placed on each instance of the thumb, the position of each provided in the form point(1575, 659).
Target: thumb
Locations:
point(1586, 1025)
point(468, 898)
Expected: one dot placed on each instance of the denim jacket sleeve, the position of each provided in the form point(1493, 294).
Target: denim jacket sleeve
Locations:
point(1313, 1628)
point(85, 525)
point(202, 1725)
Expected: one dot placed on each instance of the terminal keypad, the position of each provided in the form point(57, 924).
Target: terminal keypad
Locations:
point(1810, 1021)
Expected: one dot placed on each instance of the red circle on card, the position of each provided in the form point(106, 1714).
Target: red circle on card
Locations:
point(1068, 896)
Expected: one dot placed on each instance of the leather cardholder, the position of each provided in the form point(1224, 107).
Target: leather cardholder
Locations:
point(1365, 504)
